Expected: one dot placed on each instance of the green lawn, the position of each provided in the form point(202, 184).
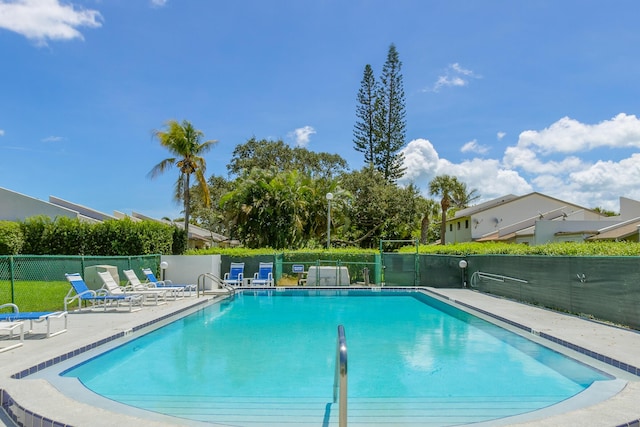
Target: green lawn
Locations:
point(35, 295)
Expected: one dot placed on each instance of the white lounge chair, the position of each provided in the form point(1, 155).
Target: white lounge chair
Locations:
point(151, 278)
point(80, 291)
point(12, 328)
point(135, 285)
point(109, 284)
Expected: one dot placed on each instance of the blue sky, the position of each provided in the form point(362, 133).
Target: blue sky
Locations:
point(509, 96)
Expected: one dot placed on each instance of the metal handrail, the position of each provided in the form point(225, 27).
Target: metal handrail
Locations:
point(340, 377)
point(494, 277)
point(230, 289)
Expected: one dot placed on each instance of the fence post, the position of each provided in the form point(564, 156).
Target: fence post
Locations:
point(13, 299)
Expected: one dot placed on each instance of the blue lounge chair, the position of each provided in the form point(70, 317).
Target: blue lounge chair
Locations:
point(264, 276)
point(98, 298)
point(165, 283)
point(34, 316)
point(235, 275)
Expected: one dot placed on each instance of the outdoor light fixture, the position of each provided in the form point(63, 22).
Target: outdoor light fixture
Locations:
point(463, 265)
point(163, 266)
point(329, 199)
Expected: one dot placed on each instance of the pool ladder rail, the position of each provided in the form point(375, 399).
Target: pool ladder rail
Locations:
point(215, 279)
point(340, 377)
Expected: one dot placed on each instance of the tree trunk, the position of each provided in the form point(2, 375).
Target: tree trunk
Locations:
point(444, 204)
point(187, 208)
point(424, 229)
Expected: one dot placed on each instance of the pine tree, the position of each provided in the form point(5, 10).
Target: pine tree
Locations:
point(389, 120)
point(363, 131)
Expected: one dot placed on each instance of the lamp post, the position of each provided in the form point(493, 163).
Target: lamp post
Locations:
point(329, 198)
point(163, 266)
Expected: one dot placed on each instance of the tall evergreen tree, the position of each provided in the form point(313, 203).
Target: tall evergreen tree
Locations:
point(389, 120)
point(364, 130)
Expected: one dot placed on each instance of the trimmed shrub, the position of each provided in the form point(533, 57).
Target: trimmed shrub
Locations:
point(11, 238)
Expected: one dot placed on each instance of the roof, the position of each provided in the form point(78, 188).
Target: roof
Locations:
point(472, 210)
point(618, 231)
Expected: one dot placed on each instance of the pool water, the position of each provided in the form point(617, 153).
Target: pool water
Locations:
point(411, 358)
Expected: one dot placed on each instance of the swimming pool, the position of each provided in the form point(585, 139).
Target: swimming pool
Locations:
point(270, 356)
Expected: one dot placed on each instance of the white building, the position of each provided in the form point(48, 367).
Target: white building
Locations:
point(537, 219)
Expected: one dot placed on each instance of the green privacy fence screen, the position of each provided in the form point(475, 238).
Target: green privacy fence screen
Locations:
point(605, 288)
point(358, 265)
point(34, 281)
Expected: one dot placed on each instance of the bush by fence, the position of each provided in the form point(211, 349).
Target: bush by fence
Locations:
point(66, 236)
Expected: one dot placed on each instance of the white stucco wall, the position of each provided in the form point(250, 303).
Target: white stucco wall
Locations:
point(186, 269)
point(546, 230)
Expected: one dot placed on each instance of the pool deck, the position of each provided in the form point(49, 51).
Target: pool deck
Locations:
point(84, 329)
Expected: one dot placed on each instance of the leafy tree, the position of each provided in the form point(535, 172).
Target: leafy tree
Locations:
point(269, 208)
point(377, 209)
point(265, 154)
point(605, 212)
point(446, 187)
point(364, 135)
point(211, 218)
point(185, 143)
point(389, 120)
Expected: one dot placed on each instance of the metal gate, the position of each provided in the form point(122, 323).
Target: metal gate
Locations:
point(398, 269)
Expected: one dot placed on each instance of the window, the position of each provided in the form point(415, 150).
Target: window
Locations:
point(450, 227)
point(466, 223)
point(458, 225)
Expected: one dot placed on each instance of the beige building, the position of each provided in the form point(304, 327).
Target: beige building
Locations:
point(537, 219)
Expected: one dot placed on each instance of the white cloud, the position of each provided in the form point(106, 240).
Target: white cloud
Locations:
point(53, 139)
point(570, 136)
point(42, 20)
point(158, 3)
point(1, 132)
point(533, 164)
point(501, 135)
point(454, 75)
point(474, 147)
point(302, 135)
point(487, 176)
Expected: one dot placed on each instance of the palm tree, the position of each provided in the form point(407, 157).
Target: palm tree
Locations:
point(446, 187)
point(462, 198)
point(184, 142)
point(430, 210)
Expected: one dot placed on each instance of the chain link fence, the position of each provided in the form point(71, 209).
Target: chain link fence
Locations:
point(37, 282)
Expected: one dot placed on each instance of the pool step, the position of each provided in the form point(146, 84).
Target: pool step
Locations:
point(370, 412)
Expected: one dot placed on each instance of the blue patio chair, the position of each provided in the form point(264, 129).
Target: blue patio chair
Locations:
point(34, 316)
point(165, 283)
point(264, 276)
point(235, 275)
point(98, 298)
